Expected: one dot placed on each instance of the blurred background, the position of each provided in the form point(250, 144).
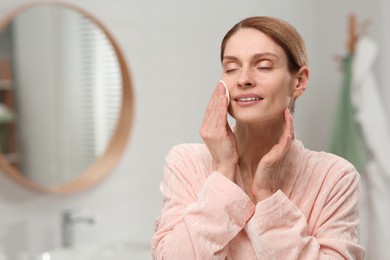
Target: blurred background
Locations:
point(172, 52)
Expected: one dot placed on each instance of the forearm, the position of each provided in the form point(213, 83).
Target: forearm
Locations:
point(204, 228)
point(278, 230)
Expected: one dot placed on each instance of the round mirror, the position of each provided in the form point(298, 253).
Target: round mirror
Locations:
point(66, 102)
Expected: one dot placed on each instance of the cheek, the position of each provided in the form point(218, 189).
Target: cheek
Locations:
point(279, 92)
point(278, 87)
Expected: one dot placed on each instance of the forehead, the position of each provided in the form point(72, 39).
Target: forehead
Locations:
point(248, 42)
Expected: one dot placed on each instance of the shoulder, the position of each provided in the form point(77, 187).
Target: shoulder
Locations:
point(332, 165)
point(331, 161)
point(188, 151)
point(322, 174)
point(318, 164)
point(189, 157)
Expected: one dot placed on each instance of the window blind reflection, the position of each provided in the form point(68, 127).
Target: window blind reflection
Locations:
point(82, 95)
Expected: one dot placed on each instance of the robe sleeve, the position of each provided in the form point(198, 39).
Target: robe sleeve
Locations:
point(279, 230)
point(197, 222)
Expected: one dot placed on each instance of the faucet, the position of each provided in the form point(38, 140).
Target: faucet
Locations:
point(69, 219)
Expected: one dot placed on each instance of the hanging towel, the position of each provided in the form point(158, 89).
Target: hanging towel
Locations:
point(347, 140)
point(371, 117)
point(370, 112)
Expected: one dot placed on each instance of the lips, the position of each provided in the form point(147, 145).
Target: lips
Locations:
point(248, 99)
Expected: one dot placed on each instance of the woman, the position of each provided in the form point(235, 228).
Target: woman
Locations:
point(255, 192)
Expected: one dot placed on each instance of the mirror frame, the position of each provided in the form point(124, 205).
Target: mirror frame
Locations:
point(105, 163)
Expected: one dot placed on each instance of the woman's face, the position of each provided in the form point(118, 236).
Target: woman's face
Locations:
point(255, 70)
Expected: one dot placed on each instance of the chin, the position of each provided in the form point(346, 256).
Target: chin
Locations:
point(256, 118)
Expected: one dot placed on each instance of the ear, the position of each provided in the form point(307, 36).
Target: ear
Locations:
point(301, 81)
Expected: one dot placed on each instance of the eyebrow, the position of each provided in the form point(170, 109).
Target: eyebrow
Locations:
point(254, 57)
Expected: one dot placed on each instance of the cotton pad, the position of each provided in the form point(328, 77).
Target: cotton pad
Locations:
point(227, 91)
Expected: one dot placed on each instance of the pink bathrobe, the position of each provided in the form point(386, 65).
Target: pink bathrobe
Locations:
point(205, 216)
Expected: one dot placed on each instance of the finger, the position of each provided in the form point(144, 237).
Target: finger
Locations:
point(213, 103)
point(288, 133)
point(288, 127)
point(277, 152)
point(218, 92)
point(289, 124)
point(216, 113)
point(219, 103)
point(223, 109)
point(217, 118)
point(285, 144)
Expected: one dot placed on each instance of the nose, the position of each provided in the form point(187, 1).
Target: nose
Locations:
point(245, 79)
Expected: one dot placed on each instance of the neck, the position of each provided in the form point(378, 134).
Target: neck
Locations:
point(254, 141)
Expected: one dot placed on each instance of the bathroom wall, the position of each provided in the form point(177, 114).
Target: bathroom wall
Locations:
point(384, 57)
point(172, 48)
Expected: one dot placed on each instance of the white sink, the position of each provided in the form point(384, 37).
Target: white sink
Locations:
point(122, 250)
point(78, 253)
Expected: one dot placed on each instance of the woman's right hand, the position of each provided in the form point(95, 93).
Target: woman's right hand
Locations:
point(218, 136)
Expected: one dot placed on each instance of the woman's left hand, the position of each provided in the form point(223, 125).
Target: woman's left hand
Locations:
point(265, 182)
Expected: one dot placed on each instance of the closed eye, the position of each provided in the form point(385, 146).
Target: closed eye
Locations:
point(264, 68)
point(230, 65)
point(230, 70)
point(264, 65)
